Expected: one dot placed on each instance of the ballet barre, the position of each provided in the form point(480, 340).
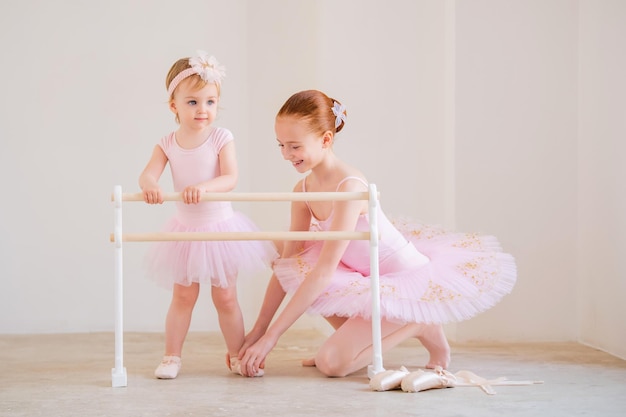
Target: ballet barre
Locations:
point(119, 376)
point(305, 196)
point(201, 236)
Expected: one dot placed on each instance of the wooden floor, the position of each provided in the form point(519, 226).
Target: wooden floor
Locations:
point(70, 375)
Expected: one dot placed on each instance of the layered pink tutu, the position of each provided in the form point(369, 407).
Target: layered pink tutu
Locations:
point(208, 262)
point(435, 277)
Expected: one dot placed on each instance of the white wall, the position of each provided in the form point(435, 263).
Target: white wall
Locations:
point(516, 156)
point(602, 195)
point(463, 113)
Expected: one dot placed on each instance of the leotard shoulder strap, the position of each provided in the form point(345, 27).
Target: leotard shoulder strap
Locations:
point(351, 178)
point(337, 189)
point(306, 202)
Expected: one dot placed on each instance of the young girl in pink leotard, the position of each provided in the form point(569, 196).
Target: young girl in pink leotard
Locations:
point(427, 276)
point(202, 160)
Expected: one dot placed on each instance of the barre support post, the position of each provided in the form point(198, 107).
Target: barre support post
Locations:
point(118, 374)
point(377, 356)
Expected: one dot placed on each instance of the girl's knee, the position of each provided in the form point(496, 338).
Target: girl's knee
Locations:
point(329, 361)
point(224, 299)
point(185, 296)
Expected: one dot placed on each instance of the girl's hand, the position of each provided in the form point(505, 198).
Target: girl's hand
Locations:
point(254, 357)
point(192, 194)
point(152, 195)
point(251, 338)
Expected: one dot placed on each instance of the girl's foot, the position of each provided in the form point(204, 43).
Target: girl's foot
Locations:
point(235, 368)
point(434, 340)
point(308, 362)
point(168, 368)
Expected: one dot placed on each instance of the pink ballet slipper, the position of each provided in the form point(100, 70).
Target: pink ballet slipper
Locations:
point(421, 380)
point(235, 368)
point(168, 368)
point(388, 380)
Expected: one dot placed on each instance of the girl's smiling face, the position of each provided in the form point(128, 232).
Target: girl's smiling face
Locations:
point(303, 148)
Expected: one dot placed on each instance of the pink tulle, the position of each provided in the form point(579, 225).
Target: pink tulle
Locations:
point(208, 262)
point(463, 275)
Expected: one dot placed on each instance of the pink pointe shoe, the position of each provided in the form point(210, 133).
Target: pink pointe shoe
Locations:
point(235, 368)
point(168, 368)
point(421, 380)
point(388, 380)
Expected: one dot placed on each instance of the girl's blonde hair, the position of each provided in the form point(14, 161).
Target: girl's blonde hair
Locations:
point(178, 67)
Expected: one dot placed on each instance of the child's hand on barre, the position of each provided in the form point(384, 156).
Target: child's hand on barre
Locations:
point(192, 194)
point(152, 195)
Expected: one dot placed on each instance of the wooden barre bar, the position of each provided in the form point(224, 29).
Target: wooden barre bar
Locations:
point(200, 236)
point(278, 196)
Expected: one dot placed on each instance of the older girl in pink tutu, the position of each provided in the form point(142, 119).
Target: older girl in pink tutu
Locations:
point(427, 276)
point(202, 160)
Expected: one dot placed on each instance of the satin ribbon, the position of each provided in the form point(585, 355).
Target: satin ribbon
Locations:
point(470, 379)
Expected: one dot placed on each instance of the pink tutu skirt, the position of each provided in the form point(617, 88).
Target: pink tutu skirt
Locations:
point(438, 277)
point(208, 262)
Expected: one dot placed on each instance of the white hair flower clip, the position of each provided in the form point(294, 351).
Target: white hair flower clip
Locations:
point(205, 66)
point(339, 110)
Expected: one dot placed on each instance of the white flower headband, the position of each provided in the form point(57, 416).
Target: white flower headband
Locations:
point(205, 66)
point(339, 110)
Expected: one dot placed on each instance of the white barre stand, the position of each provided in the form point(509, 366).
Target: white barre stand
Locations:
point(118, 374)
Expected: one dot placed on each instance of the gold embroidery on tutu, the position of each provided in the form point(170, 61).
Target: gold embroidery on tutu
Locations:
point(469, 241)
point(355, 288)
point(387, 289)
point(480, 271)
point(304, 268)
point(420, 231)
point(436, 292)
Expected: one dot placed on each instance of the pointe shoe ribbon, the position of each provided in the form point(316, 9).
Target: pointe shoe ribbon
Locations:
point(470, 379)
point(421, 380)
point(388, 380)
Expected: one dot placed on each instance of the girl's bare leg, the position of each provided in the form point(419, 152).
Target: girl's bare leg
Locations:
point(308, 362)
point(230, 317)
point(350, 347)
point(334, 321)
point(179, 317)
point(434, 340)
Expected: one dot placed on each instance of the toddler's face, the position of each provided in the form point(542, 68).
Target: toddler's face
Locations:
point(195, 108)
